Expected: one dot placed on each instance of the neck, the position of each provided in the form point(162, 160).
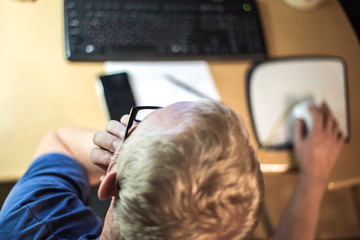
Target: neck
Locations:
point(106, 231)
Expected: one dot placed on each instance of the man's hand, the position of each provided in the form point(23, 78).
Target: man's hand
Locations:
point(108, 142)
point(316, 152)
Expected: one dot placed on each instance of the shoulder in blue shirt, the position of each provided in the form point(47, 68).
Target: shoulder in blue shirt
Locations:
point(50, 202)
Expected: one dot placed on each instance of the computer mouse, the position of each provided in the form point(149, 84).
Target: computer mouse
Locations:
point(301, 110)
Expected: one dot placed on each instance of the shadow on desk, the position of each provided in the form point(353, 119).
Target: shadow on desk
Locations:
point(352, 10)
point(5, 188)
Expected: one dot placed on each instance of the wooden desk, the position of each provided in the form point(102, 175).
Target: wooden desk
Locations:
point(40, 90)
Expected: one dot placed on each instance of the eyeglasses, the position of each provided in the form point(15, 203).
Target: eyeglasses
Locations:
point(137, 114)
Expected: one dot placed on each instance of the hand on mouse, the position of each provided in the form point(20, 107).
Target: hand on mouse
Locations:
point(316, 152)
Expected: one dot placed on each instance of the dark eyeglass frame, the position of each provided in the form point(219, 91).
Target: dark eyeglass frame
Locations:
point(132, 117)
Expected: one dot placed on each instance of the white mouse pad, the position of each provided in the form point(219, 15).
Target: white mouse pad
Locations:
point(275, 86)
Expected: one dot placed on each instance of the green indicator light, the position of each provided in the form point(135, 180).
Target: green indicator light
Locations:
point(246, 7)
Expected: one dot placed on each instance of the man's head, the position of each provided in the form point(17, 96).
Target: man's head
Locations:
point(188, 172)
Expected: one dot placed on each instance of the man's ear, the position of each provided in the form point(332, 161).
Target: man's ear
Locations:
point(108, 186)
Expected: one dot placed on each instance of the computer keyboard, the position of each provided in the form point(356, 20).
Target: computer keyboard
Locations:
point(104, 30)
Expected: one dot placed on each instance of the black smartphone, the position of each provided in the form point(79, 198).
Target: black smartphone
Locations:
point(116, 93)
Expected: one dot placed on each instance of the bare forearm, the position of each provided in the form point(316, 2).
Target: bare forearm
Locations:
point(75, 142)
point(78, 142)
point(300, 218)
point(316, 153)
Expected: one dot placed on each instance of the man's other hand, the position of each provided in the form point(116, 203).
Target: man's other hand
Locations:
point(317, 151)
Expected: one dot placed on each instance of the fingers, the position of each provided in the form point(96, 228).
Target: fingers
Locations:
point(106, 141)
point(340, 137)
point(331, 124)
point(325, 122)
point(299, 130)
point(322, 117)
point(116, 128)
point(125, 119)
point(111, 138)
point(318, 119)
point(101, 158)
point(329, 121)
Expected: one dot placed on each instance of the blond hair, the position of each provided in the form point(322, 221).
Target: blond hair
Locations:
point(199, 181)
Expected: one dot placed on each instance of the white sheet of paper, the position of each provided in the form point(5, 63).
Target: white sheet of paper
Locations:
point(150, 86)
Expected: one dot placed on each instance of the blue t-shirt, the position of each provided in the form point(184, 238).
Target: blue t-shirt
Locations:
point(49, 202)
